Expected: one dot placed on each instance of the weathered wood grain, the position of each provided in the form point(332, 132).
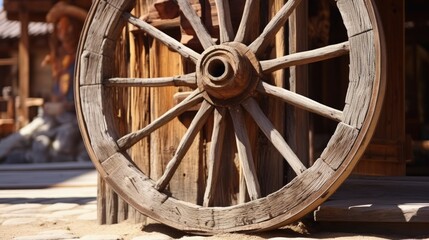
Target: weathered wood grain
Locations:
point(201, 31)
point(246, 23)
point(108, 25)
point(260, 213)
point(355, 17)
point(131, 138)
point(140, 152)
point(298, 120)
point(301, 101)
point(100, 134)
point(162, 144)
point(188, 80)
point(362, 75)
point(225, 24)
point(294, 200)
point(271, 174)
point(214, 158)
point(101, 201)
point(305, 57)
point(184, 145)
point(339, 145)
point(94, 67)
point(269, 32)
point(170, 42)
point(245, 153)
point(274, 136)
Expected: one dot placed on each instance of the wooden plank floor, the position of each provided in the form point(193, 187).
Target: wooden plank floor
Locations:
point(33, 176)
point(378, 199)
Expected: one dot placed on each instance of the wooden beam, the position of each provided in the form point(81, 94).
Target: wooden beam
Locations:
point(24, 68)
point(8, 61)
point(37, 9)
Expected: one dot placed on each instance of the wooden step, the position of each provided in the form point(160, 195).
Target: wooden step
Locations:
point(378, 200)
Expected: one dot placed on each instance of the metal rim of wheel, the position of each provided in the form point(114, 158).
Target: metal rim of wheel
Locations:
point(230, 91)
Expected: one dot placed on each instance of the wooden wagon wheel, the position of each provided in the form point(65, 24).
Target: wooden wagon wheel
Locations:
point(229, 78)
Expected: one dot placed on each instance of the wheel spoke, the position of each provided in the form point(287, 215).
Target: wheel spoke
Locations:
point(201, 31)
point(305, 57)
point(214, 159)
point(274, 136)
point(225, 25)
point(301, 101)
point(188, 80)
point(164, 38)
point(246, 21)
point(273, 27)
point(245, 153)
point(184, 145)
point(132, 138)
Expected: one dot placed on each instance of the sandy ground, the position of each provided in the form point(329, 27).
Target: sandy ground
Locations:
point(27, 213)
point(126, 230)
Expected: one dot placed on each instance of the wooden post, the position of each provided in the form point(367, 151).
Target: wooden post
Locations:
point(24, 68)
point(297, 119)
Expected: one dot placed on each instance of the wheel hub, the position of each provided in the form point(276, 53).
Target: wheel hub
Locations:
point(227, 73)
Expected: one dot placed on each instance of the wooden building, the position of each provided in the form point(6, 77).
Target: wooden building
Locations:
point(23, 54)
point(39, 77)
point(401, 131)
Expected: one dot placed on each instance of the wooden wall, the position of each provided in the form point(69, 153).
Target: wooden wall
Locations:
point(148, 58)
point(387, 153)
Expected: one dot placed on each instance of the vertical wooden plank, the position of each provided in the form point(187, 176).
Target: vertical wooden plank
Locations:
point(260, 16)
point(389, 136)
point(122, 210)
point(138, 111)
point(297, 119)
point(111, 206)
point(101, 200)
point(186, 182)
point(271, 172)
point(226, 188)
point(24, 67)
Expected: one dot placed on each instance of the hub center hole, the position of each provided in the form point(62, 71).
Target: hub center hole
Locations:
point(217, 68)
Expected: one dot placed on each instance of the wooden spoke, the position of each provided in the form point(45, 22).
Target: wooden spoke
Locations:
point(274, 136)
point(188, 80)
point(225, 25)
point(164, 38)
point(132, 138)
point(301, 101)
point(186, 142)
point(245, 153)
point(201, 31)
point(273, 27)
point(246, 21)
point(305, 57)
point(214, 159)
